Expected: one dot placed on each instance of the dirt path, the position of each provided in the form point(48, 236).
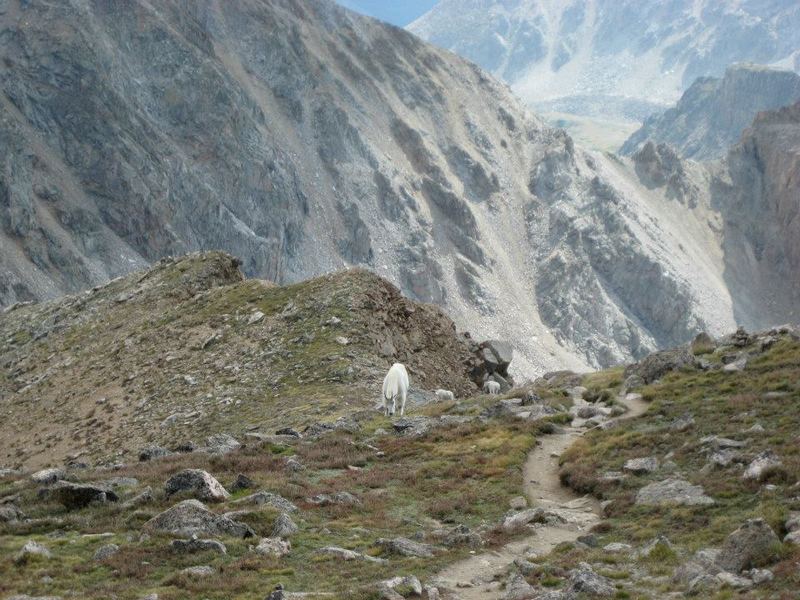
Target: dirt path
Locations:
point(473, 578)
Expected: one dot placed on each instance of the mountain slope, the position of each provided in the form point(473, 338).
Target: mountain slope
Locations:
point(611, 57)
point(713, 113)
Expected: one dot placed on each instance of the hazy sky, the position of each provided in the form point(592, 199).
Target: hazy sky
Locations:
point(399, 12)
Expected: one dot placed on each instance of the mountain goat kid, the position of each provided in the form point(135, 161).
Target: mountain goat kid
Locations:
point(395, 386)
point(445, 395)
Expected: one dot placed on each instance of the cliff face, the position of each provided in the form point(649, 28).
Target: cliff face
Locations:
point(758, 192)
point(712, 114)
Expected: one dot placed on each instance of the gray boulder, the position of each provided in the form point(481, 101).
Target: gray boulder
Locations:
point(584, 582)
point(32, 550)
point(221, 443)
point(9, 513)
point(273, 547)
point(405, 547)
point(79, 495)
point(518, 588)
point(149, 453)
point(672, 491)
point(105, 552)
point(200, 484)
point(344, 554)
point(284, 527)
point(267, 499)
point(641, 466)
point(751, 545)
point(48, 476)
point(195, 544)
point(656, 365)
point(191, 517)
point(761, 465)
point(337, 498)
point(520, 519)
point(143, 497)
point(408, 584)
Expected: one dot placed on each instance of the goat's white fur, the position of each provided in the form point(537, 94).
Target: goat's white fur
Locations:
point(395, 386)
point(491, 387)
point(445, 395)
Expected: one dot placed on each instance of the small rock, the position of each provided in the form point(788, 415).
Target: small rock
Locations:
point(682, 423)
point(641, 466)
point(337, 498)
point(760, 576)
point(105, 552)
point(32, 550)
point(748, 546)
point(720, 443)
point(585, 581)
point(221, 443)
point(255, 317)
point(191, 517)
point(153, 452)
point(404, 585)
point(243, 482)
point(268, 499)
point(653, 545)
point(405, 547)
point(48, 476)
point(144, 497)
point(200, 484)
point(518, 503)
point(761, 466)
point(290, 432)
point(273, 547)
point(519, 589)
point(518, 520)
point(284, 527)
point(78, 495)
point(10, 514)
point(617, 547)
point(201, 571)
point(293, 465)
point(734, 581)
point(672, 491)
point(345, 554)
point(342, 341)
point(194, 545)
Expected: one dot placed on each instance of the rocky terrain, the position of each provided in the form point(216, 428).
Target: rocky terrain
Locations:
point(184, 432)
point(713, 113)
point(612, 59)
point(337, 141)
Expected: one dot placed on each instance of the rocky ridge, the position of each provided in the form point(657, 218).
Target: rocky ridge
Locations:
point(713, 113)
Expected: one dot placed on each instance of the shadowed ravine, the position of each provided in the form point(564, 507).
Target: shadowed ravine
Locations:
point(475, 577)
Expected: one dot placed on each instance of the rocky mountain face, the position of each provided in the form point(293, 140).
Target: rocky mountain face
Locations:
point(149, 130)
point(712, 114)
point(758, 193)
point(616, 58)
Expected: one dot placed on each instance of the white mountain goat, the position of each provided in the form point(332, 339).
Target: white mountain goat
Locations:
point(491, 387)
point(395, 386)
point(445, 395)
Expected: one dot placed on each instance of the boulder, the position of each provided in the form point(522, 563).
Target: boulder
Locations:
point(198, 483)
point(682, 423)
point(191, 517)
point(337, 498)
point(284, 527)
point(405, 547)
point(518, 520)
point(641, 466)
point(267, 499)
point(585, 583)
point(243, 482)
point(672, 491)
point(198, 572)
point(221, 443)
point(48, 476)
point(413, 426)
point(518, 588)
point(461, 535)
point(408, 585)
point(10, 513)
point(344, 554)
point(194, 545)
point(734, 581)
point(149, 453)
point(654, 545)
point(761, 465)
point(752, 545)
point(143, 497)
point(31, 550)
point(79, 495)
point(105, 552)
point(656, 365)
point(273, 547)
point(617, 547)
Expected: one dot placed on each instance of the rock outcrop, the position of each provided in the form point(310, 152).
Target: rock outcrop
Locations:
point(714, 112)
